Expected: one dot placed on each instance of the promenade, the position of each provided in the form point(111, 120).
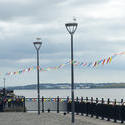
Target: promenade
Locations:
point(19, 118)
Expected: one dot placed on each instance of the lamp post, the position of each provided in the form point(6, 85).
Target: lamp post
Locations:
point(37, 45)
point(4, 90)
point(4, 82)
point(71, 28)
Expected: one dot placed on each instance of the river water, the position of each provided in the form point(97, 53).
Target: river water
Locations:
point(118, 93)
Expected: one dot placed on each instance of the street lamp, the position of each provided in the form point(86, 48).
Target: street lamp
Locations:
point(37, 45)
point(71, 28)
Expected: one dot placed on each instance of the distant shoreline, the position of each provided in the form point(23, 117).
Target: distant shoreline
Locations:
point(51, 86)
point(70, 89)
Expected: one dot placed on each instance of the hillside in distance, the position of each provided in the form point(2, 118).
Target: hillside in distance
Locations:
point(68, 86)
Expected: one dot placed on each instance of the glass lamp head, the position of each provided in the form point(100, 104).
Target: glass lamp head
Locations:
point(71, 27)
point(37, 44)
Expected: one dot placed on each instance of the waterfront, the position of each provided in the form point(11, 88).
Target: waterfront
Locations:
point(118, 93)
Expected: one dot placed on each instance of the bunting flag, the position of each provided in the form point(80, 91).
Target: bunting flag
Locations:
point(121, 53)
point(75, 63)
point(84, 64)
point(95, 64)
point(89, 64)
point(103, 62)
point(108, 60)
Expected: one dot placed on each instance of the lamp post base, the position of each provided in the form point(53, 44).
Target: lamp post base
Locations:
point(72, 123)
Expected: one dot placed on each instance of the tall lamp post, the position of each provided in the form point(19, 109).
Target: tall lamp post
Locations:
point(71, 28)
point(4, 82)
point(37, 45)
point(4, 90)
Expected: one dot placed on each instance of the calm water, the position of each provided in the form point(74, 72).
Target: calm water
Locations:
point(96, 93)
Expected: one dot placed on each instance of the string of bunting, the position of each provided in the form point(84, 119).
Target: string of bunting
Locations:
point(36, 100)
point(46, 100)
point(76, 63)
point(13, 100)
point(21, 100)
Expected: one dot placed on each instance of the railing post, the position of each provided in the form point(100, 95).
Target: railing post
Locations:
point(115, 120)
point(102, 107)
point(91, 106)
point(77, 106)
point(97, 108)
point(67, 104)
point(81, 106)
point(108, 102)
point(49, 101)
point(42, 104)
point(24, 99)
point(86, 106)
point(122, 111)
point(57, 104)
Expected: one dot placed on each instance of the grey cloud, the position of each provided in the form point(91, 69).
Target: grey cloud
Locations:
point(40, 10)
point(81, 2)
point(89, 2)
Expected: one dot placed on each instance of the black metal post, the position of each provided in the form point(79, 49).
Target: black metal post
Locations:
point(38, 81)
point(82, 110)
point(71, 28)
point(4, 90)
point(108, 102)
point(67, 104)
point(72, 80)
point(42, 104)
point(92, 106)
point(24, 104)
point(122, 111)
point(4, 82)
point(87, 106)
point(37, 45)
point(97, 112)
point(57, 104)
point(77, 107)
point(115, 111)
point(102, 105)
point(4, 94)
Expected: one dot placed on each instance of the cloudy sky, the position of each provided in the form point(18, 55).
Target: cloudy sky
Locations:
point(100, 33)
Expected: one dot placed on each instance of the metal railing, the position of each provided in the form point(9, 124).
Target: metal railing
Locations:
point(110, 110)
point(46, 104)
point(103, 109)
point(12, 104)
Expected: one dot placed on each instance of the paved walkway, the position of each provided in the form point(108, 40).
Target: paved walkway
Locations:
point(17, 118)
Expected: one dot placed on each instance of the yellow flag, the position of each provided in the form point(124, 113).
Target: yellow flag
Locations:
point(110, 59)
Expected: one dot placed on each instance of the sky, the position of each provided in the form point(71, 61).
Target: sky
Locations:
point(100, 33)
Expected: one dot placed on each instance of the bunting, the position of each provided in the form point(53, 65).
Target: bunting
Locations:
point(46, 100)
point(75, 63)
